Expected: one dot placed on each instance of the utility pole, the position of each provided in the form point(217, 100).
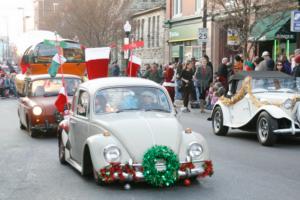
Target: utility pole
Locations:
point(204, 21)
point(298, 33)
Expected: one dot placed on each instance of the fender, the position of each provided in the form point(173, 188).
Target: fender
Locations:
point(274, 111)
point(97, 150)
point(226, 113)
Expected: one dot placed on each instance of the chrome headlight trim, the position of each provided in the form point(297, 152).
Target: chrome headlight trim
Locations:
point(112, 153)
point(288, 104)
point(37, 110)
point(195, 150)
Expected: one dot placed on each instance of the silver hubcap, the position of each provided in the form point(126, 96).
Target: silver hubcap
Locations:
point(263, 129)
point(217, 121)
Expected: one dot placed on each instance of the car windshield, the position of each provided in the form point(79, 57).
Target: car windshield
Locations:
point(116, 100)
point(72, 52)
point(274, 85)
point(51, 87)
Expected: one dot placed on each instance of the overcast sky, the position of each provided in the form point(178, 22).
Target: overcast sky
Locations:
point(11, 22)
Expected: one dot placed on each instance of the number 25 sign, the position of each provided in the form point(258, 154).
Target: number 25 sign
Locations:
point(202, 34)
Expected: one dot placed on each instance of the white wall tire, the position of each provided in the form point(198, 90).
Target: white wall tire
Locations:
point(217, 122)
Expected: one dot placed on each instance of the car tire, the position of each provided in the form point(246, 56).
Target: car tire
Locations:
point(22, 127)
point(32, 133)
point(217, 122)
point(265, 129)
point(61, 151)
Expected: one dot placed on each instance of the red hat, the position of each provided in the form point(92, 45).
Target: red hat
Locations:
point(297, 59)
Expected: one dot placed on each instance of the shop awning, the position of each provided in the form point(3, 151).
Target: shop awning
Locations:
point(266, 29)
point(183, 33)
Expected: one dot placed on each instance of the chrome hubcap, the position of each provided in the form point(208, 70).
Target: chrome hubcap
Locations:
point(217, 121)
point(263, 129)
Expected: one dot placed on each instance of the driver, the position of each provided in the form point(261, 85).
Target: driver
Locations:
point(100, 104)
point(148, 100)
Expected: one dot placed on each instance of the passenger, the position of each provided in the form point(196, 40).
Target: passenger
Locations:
point(100, 104)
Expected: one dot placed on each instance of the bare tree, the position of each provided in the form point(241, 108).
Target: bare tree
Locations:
point(242, 15)
point(93, 22)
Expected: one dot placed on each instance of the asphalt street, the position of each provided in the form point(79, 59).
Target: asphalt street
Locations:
point(29, 168)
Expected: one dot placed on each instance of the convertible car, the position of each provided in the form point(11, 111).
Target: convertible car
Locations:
point(125, 129)
point(267, 102)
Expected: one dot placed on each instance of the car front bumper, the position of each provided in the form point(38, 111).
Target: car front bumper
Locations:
point(120, 172)
point(288, 131)
point(44, 127)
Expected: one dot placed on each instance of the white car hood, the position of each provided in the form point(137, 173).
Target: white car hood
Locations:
point(139, 131)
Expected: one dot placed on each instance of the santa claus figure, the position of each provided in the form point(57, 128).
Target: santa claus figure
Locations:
point(169, 81)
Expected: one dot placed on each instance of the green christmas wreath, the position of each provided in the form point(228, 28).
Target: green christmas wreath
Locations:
point(162, 177)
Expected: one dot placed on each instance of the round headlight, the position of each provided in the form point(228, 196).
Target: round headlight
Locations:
point(288, 104)
point(195, 150)
point(37, 110)
point(112, 153)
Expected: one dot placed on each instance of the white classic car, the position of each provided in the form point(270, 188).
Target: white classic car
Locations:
point(267, 102)
point(126, 129)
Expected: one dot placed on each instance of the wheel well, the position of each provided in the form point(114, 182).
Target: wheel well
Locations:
point(87, 167)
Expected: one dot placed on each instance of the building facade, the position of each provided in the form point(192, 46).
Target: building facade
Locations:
point(140, 5)
point(149, 27)
point(42, 10)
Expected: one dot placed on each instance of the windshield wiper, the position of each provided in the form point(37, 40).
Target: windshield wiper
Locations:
point(157, 109)
point(128, 109)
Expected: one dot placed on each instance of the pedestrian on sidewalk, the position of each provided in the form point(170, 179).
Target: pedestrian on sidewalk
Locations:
point(267, 64)
point(223, 73)
point(203, 76)
point(187, 84)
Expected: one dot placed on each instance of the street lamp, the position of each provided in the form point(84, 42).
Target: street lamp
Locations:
point(24, 18)
point(127, 29)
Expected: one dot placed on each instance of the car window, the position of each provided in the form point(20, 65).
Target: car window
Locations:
point(83, 104)
point(51, 87)
point(129, 99)
point(274, 85)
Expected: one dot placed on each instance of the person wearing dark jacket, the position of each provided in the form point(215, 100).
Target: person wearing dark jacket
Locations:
point(296, 70)
point(223, 73)
point(187, 84)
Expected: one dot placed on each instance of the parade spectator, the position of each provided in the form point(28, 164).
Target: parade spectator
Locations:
point(178, 83)
point(279, 66)
point(115, 69)
point(2, 84)
point(286, 64)
point(153, 74)
point(256, 60)
point(169, 81)
point(223, 73)
point(238, 64)
point(210, 65)
point(203, 75)
point(187, 84)
point(267, 64)
point(249, 66)
point(296, 70)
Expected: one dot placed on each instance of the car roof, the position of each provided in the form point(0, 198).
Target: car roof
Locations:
point(259, 74)
point(95, 84)
point(44, 76)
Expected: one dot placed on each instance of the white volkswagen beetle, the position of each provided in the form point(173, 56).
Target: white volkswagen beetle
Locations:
point(126, 129)
point(267, 102)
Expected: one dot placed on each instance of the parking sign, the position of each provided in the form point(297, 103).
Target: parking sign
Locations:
point(202, 35)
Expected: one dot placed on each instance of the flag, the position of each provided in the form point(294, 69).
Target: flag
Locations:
point(57, 60)
point(133, 66)
point(97, 60)
point(61, 100)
